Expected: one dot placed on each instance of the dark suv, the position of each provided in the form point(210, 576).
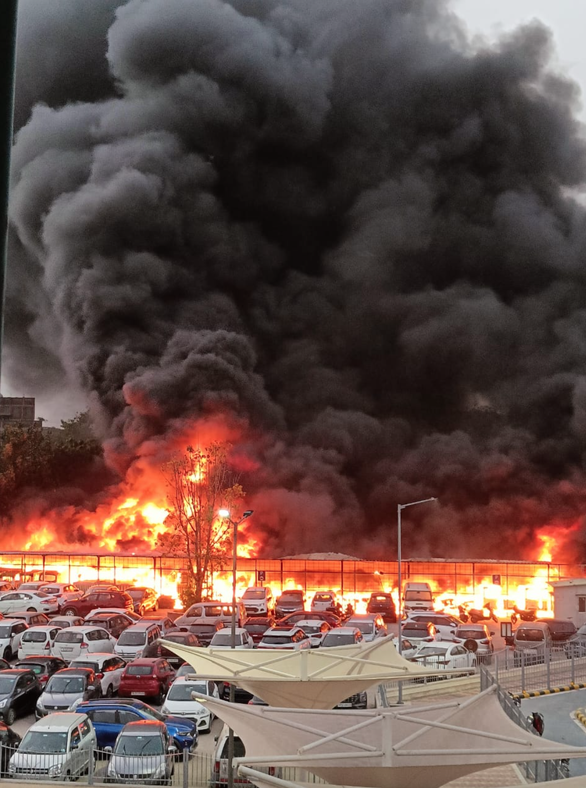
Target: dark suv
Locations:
point(19, 692)
point(96, 599)
point(382, 604)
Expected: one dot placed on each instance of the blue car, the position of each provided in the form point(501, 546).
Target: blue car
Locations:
point(110, 716)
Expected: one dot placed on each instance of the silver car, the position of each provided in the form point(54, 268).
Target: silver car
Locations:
point(66, 689)
point(144, 753)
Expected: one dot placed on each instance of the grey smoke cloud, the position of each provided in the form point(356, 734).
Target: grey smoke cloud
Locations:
point(343, 225)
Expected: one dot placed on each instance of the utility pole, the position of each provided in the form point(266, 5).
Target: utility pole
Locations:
point(8, 16)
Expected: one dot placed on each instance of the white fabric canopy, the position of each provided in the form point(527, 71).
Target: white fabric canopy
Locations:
point(409, 747)
point(309, 679)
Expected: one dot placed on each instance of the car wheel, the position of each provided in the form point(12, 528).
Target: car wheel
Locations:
point(110, 691)
point(9, 717)
point(30, 610)
point(69, 611)
point(160, 698)
point(7, 653)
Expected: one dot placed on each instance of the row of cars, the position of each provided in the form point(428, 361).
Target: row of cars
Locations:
point(258, 601)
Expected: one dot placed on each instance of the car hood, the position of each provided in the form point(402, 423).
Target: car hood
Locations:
point(180, 724)
point(38, 759)
point(184, 707)
point(60, 698)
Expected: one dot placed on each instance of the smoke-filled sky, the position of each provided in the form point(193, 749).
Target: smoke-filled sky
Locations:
point(347, 225)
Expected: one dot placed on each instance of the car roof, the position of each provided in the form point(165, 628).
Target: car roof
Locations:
point(192, 678)
point(11, 621)
point(472, 626)
point(16, 672)
point(42, 627)
point(74, 671)
point(364, 617)
point(141, 625)
point(237, 630)
point(83, 628)
point(344, 631)
point(146, 660)
point(31, 658)
point(59, 720)
point(144, 727)
point(281, 632)
point(104, 703)
point(95, 656)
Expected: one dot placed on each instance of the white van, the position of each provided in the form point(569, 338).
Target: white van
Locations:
point(219, 611)
point(37, 640)
point(135, 639)
point(531, 642)
point(58, 747)
point(417, 596)
point(258, 601)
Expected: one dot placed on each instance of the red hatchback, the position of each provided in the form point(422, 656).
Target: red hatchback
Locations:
point(146, 678)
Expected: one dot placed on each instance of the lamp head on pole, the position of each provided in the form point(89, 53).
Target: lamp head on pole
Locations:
point(224, 513)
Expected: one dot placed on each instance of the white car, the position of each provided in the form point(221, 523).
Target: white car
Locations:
point(477, 638)
point(62, 591)
point(11, 630)
point(442, 654)
point(132, 617)
point(223, 638)
point(31, 586)
point(342, 636)
point(315, 628)
point(179, 702)
point(63, 622)
point(107, 667)
point(293, 639)
point(31, 601)
point(444, 624)
point(37, 640)
point(70, 643)
point(323, 600)
point(408, 649)
point(371, 625)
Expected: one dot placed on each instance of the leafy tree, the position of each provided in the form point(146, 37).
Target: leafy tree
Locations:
point(200, 482)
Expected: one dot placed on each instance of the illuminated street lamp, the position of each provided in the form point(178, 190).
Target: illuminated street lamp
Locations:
point(400, 507)
point(225, 515)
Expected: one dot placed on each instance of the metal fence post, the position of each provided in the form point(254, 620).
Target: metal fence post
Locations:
point(573, 666)
point(548, 664)
point(185, 767)
point(90, 769)
point(522, 655)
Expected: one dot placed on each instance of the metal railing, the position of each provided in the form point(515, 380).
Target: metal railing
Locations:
point(541, 669)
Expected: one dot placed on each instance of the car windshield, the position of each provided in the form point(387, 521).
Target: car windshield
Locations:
point(529, 634)
point(310, 629)
point(5, 632)
point(135, 593)
point(180, 637)
point(34, 637)
point(254, 593)
point(333, 639)
point(66, 684)
point(183, 691)
point(225, 639)
point(322, 598)
point(276, 640)
point(415, 633)
point(431, 651)
point(128, 744)
point(380, 598)
point(139, 670)
point(198, 629)
point(256, 627)
point(366, 627)
point(36, 667)
point(83, 664)
point(468, 634)
point(6, 684)
point(44, 742)
point(291, 597)
point(51, 589)
point(41, 594)
point(132, 638)
point(69, 637)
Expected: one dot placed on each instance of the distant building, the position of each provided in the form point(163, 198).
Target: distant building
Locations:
point(18, 410)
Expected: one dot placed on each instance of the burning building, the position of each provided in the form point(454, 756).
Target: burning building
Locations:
point(346, 232)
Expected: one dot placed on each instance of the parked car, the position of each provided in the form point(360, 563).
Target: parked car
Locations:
point(217, 611)
point(315, 629)
point(70, 643)
point(291, 601)
point(143, 753)
point(561, 629)
point(219, 775)
point(258, 601)
point(408, 648)
point(115, 623)
point(303, 615)
point(157, 649)
point(159, 617)
point(98, 599)
point(476, 638)
point(144, 599)
point(31, 586)
point(147, 677)
point(135, 640)
point(37, 640)
point(11, 631)
point(43, 667)
point(107, 667)
point(342, 636)
point(180, 703)
point(110, 716)
point(63, 592)
point(324, 600)
point(30, 619)
point(445, 625)
point(443, 654)
point(419, 632)
point(575, 647)
point(19, 690)
point(66, 689)
point(9, 742)
point(58, 747)
point(256, 626)
point(293, 639)
point(357, 701)
point(531, 641)
point(223, 638)
point(29, 601)
point(133, 618)
point(371, 625)
point(383, 604)
point(64, 622)
point(203, 631)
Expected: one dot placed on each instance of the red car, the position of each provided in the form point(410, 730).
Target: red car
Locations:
point(148, 677)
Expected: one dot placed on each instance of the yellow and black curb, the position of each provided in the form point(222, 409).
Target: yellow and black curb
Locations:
point(580, 715)
point(552, 691)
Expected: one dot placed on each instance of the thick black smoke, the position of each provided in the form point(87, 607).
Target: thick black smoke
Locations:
point(340, 223)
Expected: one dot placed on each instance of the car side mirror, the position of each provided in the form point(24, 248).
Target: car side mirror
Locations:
point(74, 746)
point(172, 749)
point(216, 739)
point(108, 750)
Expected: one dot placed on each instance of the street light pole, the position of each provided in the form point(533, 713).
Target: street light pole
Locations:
point(225, 514)
point(400, 507)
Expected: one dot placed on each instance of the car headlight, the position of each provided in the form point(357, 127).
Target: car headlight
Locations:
point(55, 770)
point(160, 771)
point(11, 768)
point(111, 771)
point(164, 709)
point(40, 705)
point(3, 703)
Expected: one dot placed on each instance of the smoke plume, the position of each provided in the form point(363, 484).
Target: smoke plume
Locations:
point(342, 225)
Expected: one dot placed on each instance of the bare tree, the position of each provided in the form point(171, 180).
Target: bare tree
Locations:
point(200, 482)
